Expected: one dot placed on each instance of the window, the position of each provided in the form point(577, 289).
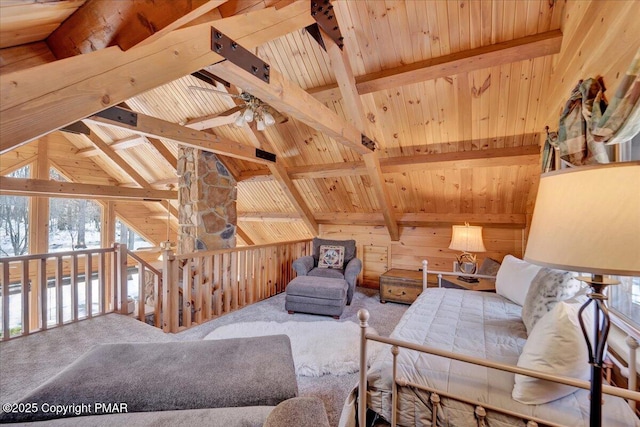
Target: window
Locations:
point(624, 299)
point(73, 223)
point(14, 220)
point(129, 237)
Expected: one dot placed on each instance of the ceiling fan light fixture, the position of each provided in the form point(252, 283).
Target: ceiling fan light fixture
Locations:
point(239, 120)
point(268, 119)
point(248, 115)
point(260, 125)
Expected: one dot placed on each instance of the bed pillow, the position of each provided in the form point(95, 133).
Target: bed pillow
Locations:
point(331, 256)
point(514, 278)
point(556, 346)
point(547, 288)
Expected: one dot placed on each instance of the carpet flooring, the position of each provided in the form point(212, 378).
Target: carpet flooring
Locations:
point(25, 363)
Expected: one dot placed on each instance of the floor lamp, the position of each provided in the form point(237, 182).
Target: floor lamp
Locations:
point(587, 219)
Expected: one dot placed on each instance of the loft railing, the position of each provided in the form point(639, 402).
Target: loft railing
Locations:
point(204, 285)
point(47, 290)
point(42, 291)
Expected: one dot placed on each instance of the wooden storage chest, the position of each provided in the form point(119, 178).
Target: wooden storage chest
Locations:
point(401, 286)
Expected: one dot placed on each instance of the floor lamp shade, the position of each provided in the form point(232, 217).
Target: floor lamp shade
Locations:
point(587, 219)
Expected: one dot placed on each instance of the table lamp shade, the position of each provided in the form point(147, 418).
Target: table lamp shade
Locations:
point(467, 238)
point(587, 219)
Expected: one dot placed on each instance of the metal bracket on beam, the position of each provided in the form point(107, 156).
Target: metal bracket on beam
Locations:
point(229, 49)
point(322, 12)
point(119, 115)
point(368, 143)
point(261, 154)
point(78, 128)
point(210, 78)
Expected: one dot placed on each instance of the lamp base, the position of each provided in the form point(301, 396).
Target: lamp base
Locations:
point(468, 279)
point(596, 343)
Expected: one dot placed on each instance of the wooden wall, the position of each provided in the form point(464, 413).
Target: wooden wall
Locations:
point(600, 39)
point(380, 254)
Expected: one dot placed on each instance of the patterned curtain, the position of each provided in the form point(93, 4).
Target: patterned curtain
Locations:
point(588, 122)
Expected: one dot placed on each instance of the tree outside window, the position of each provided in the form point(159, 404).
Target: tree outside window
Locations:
point(14, 220)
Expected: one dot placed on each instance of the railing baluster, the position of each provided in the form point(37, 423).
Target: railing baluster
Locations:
point(186, 294)
point(242, 278)
point(217, 282)
point(88, 283)
point(208, 286)
point(233, 273)
point(226, 284)
point(25, 297)
point(198, 288)
point(58, 291)
point(102, 283)
point(42, 298)
point(6, 330)
point(74, 288)
point(142, 282)
point(251, 284)
point(157, 301)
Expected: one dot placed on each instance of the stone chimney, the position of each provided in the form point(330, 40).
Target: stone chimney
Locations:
point(207, 202)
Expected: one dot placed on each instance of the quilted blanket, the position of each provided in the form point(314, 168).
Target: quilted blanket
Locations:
point(478, 324)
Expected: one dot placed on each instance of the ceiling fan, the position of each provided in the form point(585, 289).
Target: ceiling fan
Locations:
point(255, 109)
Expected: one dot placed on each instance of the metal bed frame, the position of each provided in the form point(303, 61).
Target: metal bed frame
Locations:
point(480, 407)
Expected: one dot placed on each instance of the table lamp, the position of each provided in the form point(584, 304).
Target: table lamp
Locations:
point(467, 238)
point(587, 219)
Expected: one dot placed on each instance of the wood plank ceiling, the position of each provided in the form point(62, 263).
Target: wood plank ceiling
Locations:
point(459, 140)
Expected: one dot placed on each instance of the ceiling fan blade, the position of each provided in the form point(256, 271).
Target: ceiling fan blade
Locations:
point(206, 89)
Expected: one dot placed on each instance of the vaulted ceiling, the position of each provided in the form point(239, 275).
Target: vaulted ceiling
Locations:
point(454, 93)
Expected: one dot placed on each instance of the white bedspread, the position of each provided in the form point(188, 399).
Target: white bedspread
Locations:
point(478, 324)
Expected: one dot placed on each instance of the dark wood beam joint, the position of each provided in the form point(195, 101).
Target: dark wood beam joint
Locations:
point(77, 128)
point(119, 115)
point(232, 51)
point(368, 143)
point(261, 154)
point(322, 12)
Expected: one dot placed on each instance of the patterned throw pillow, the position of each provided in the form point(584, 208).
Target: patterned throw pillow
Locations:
point(547, 288)
point(331, 257)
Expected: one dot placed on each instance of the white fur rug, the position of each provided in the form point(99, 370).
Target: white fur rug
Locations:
point(318, 348)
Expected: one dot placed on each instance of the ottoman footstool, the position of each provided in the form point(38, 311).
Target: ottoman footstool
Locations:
point(316, 295)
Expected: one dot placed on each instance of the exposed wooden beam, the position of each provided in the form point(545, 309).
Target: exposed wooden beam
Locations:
point(294, 197)
point(269, 216)
point(353, 105)
point(120, 163)
point(524, 155)
point(404, 219)
point(98, 24)
point(45, 188)
point(121, 144)
point(529, 47)
point(163, 150)
point(372, 163)
point(214, 120)
point(424, 219)
point(82, 85)
point(292, 100)
point(141, 30)
point(158, 128)
point(244, 236)
point(117, 160)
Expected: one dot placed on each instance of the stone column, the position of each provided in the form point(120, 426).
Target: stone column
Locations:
point(207, 197)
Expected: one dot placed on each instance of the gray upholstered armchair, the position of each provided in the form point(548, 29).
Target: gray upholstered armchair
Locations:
point(308, 265)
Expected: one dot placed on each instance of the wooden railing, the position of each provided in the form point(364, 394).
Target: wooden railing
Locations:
point(205, 285)
point(43, 291)
point(47, 290)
